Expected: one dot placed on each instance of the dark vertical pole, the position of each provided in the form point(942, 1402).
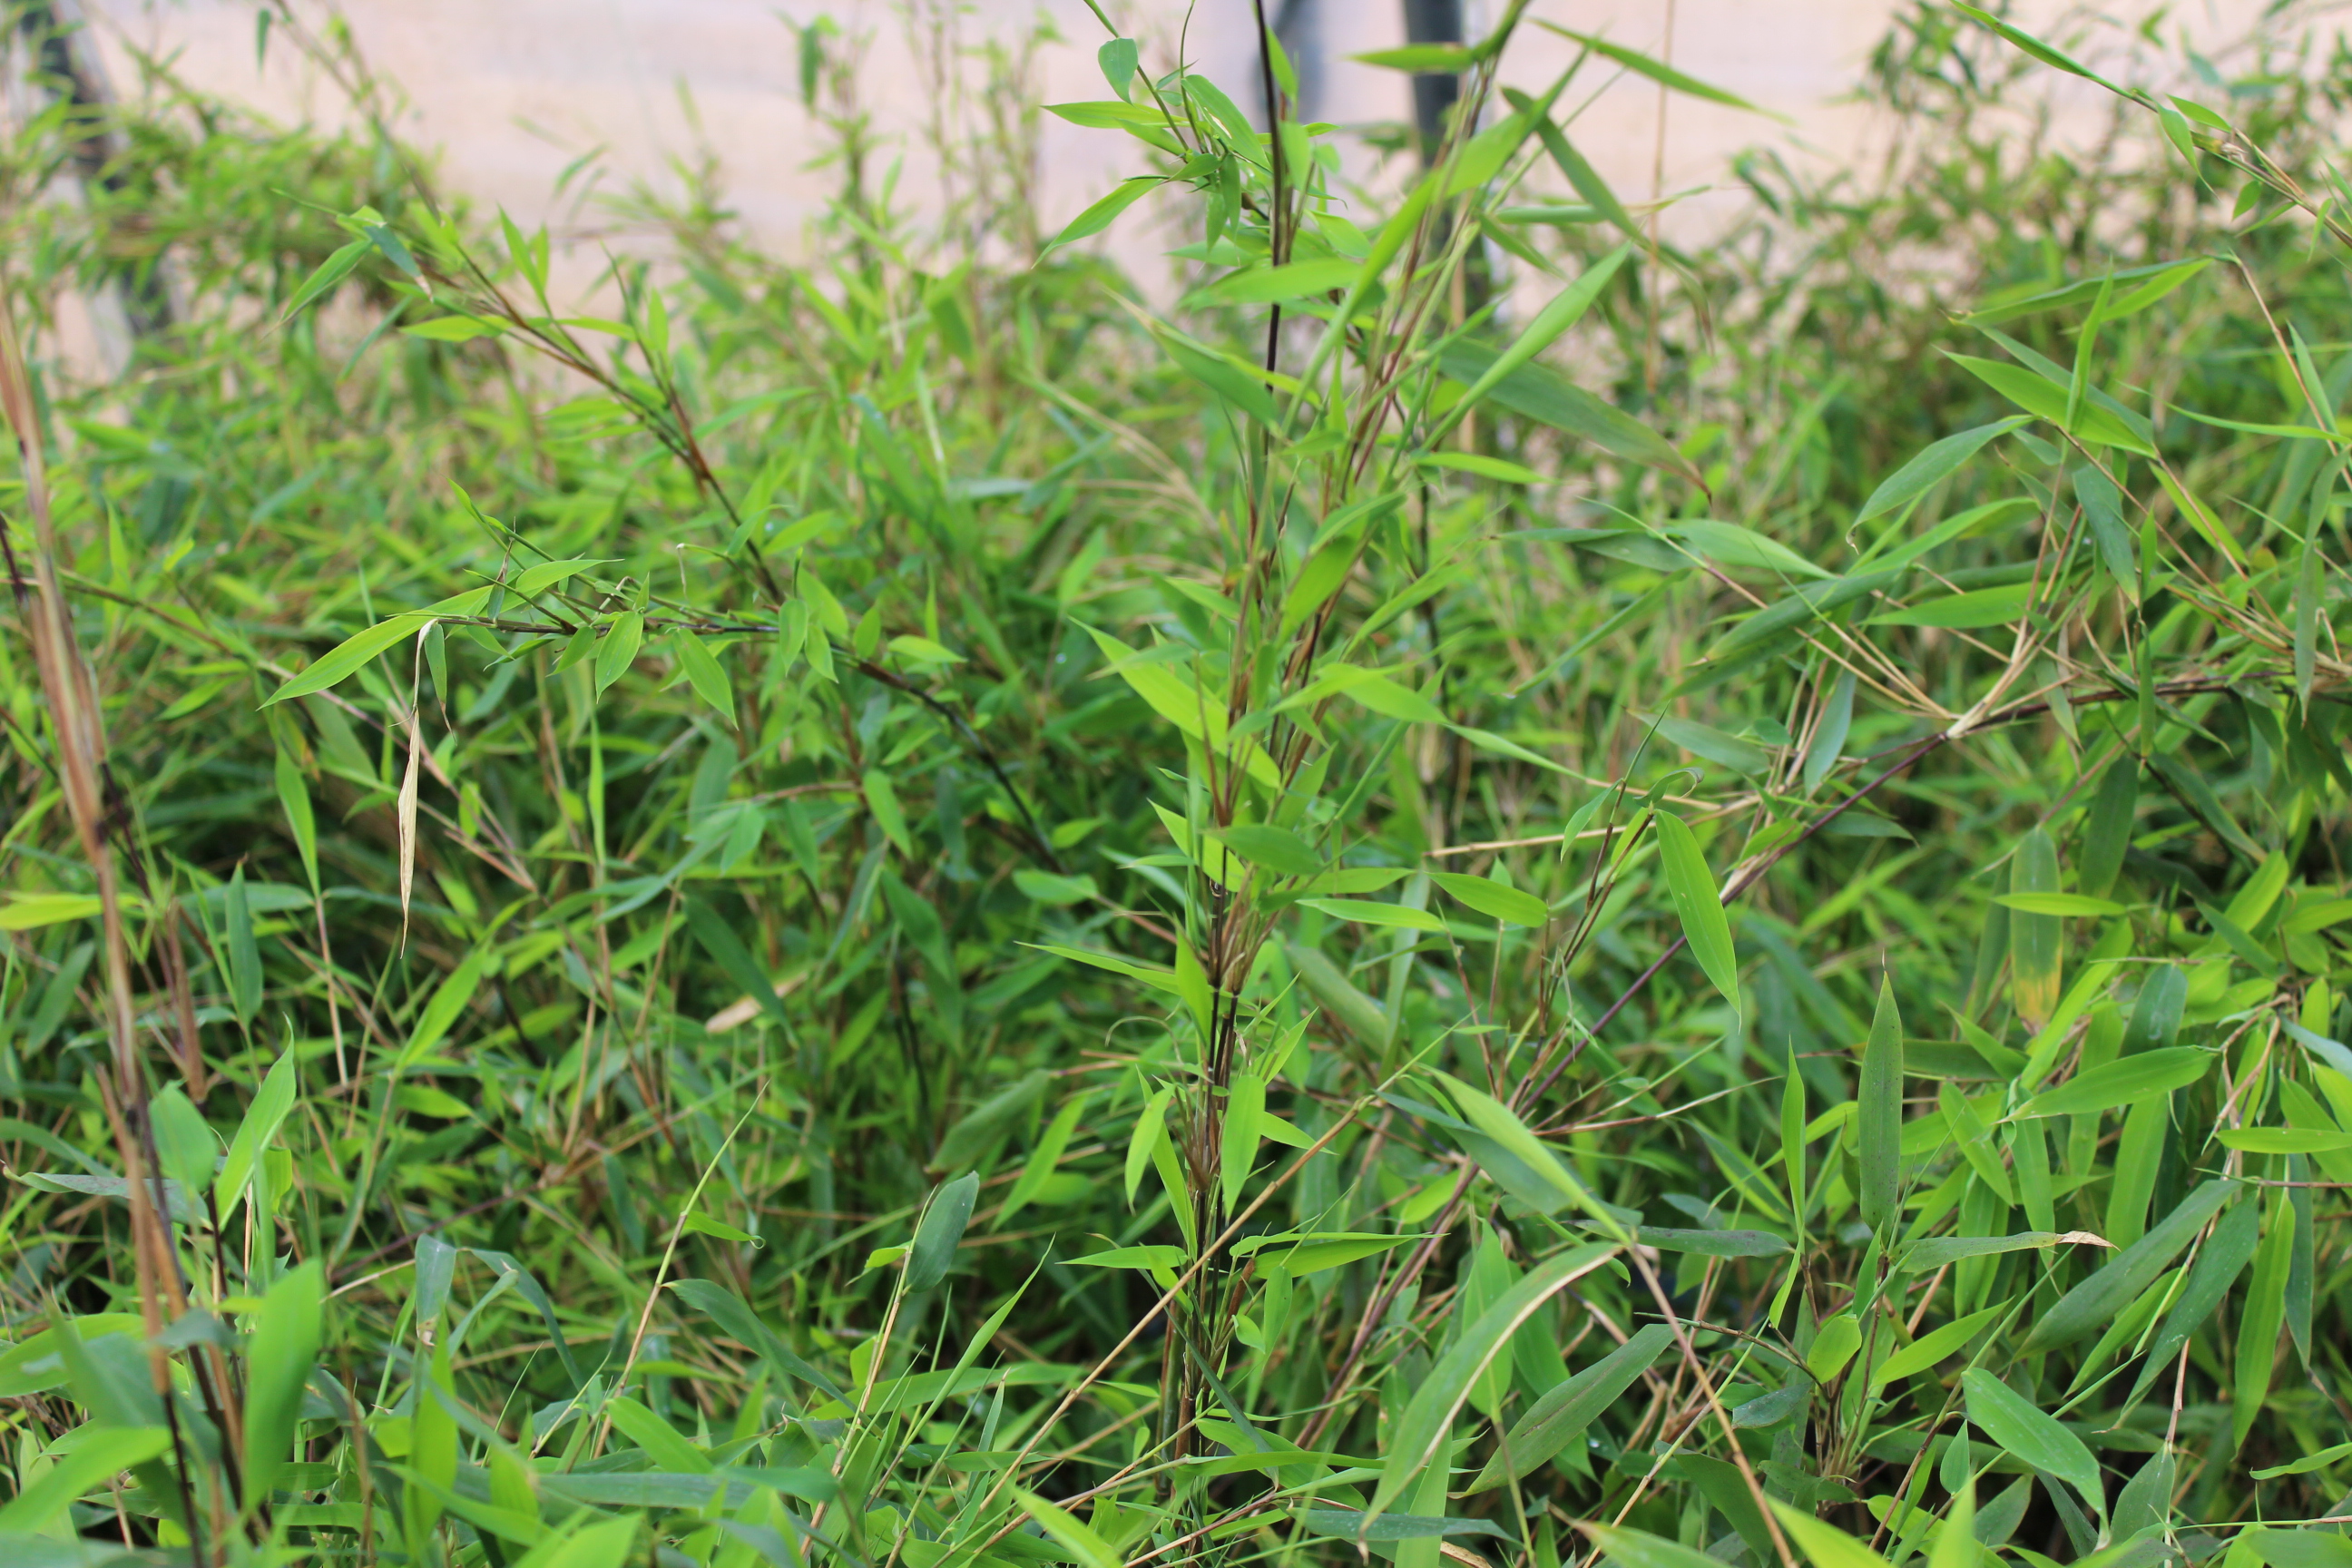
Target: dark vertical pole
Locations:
point(1299, 24)
point(1434, 94)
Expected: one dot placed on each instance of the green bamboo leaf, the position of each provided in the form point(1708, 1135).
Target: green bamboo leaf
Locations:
point(1105, 212)
point(2305, 1465)
point(1043, 1159)
point(1498, 1122)
point(1316, 1250)
point(1151, 1128)
point(727, 949)
point(184, 1145)
point(1365, 911)
point(345, 659)
point(1536, 391)
point(2037, 48)
point(1937, 1251)
point(2123, 1081)
point(1824, 1542)
point(1276, 849)
point(2035, 940)
point(1664, 75)
point(882, 800)
point(1428, 1418)
point(271, 1103)
point(1792, 1135)
point(1156, 1256)
point(979, 1129)
point(2265, 1317)
point(330, 272)
point(704, 673)
point(1237, 1152)
point(1964, 612)
point(2068, 905)
point(1293, 281)
point(1930, 466)
point(432, 1449)
point(726, 1308)
point(2108, 827)
point(1350, 1524)
point(1561, 1415)
point(2190, 786)
point(1714, 1243)
point(1357, 1012)
point(294, 800)
point(1835, 1344)
point(1703, 923)
point(2095, 424)
point(1729, 545)
point(2140, 1153)
point(1936, 1345)
point(2012, 1420)
point(533, 581)
point(940, 1231)
point(287, 1332)
point(1491, 899)
point(624, 635)
point(1639, 1549)
point(1563, 311)
point(2283, 1140)
point(1830, 735)
point(1068, 1531)
point(1583, 178)
point(1879, 1099)
point(2095, 1302)
point(84, 1466)
point(2220, 1261)
point(1974, 1139)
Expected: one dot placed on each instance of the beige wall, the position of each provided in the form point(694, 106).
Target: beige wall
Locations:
point(510, 91)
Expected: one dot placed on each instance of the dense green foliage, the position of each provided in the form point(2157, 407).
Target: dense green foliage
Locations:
point(1487, 893)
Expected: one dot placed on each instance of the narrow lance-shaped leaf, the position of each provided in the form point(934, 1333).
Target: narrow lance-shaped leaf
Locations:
point(2266, 1315)
point(1792, 1137)
point(940, 1231)
point(2041, 1440)
point(1692, 886)
point(728, 1310)
point(1930, 466)
point(1421, 1430)
point(720, 941)
point(287, 1332)
point(1879, 1101)
point(1560, 1417)
point(1498, 1122)
point(2218, 1263)
point(2035, 939)
point(1565, 309)
point(2092, 1305)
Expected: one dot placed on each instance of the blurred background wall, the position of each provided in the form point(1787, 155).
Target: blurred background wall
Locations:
point(510, 93)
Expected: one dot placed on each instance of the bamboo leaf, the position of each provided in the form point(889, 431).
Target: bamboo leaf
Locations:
point(1696, 903)
point(940, 1231)
point(1429, 1416)
point(2009, 1419)
point(1879, 1096)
